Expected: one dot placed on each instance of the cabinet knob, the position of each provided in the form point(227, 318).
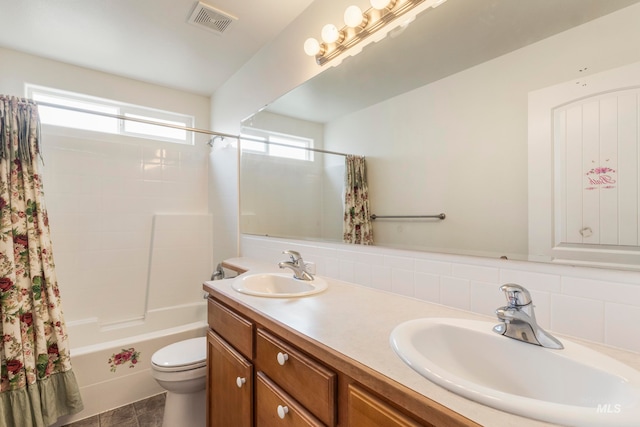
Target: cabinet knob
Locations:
point(282, 411)
point(240, 382)
point(282, 358)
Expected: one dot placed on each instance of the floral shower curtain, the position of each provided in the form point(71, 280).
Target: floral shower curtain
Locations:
point(37, 384)
point(357, 227)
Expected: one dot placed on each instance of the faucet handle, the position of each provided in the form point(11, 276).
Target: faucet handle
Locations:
point(517, 296)
point(295, 256)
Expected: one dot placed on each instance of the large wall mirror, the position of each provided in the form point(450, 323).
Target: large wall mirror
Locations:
point(439, 108)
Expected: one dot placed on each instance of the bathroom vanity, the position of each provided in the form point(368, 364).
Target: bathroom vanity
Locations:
point(325, 360)
point(263, 370)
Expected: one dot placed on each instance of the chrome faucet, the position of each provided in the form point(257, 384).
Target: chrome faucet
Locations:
point(297, 265)
point(519, 320)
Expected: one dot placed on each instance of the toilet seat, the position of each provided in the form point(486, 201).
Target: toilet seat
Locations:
point(181, 356)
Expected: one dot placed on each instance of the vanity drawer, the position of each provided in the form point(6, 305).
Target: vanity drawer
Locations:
point(236, 330)
point(307, 381)
point(276, 408)
point(365, 409)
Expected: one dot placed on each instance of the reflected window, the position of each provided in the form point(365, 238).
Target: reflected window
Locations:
point(276, 144)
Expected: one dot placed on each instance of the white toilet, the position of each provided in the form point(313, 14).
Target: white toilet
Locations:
point(181, 369)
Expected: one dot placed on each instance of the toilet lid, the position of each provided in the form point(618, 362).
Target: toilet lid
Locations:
point(183, 353)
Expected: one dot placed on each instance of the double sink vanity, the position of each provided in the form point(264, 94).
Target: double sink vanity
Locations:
point(312, 351)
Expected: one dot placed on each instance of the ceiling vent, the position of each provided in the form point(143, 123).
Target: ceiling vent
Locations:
point(205, 16)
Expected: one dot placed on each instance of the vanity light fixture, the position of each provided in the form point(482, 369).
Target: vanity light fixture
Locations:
point(331, 34)
point(312, 47)
point(360, 25)
point(355, 18)
point(382, 4)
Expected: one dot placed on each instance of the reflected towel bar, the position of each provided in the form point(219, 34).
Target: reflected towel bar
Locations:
point(439, 216)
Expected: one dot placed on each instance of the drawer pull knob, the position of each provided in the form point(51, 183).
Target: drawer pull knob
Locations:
point(282, 358)
point(282, 411)
point(240, 382)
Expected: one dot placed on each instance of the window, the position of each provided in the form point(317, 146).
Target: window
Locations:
point(276, 144)
point(97, 123)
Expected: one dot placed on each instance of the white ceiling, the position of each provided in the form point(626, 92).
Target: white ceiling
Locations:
point(148, 40)
point(151, 40)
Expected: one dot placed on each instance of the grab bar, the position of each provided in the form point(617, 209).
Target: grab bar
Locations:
point(439, 216)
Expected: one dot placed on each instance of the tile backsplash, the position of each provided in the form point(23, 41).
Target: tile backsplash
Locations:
point(594, 304)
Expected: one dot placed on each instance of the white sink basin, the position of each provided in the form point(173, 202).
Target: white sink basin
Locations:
point(277, 285)
point(575, 386)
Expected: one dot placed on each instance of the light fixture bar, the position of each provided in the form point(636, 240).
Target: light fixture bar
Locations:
point(355, 36)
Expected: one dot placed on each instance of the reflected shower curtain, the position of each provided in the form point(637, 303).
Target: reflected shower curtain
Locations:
point(37, 384)
point(357, 227)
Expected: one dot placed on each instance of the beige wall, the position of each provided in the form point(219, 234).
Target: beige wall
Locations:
point(19, 68)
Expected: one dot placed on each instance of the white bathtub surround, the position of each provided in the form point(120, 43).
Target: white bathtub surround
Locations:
point(179, 262)
point(180, 259)
point(598, 305)
point(102, 217)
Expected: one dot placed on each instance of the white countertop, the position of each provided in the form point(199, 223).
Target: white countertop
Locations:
point(357, 321)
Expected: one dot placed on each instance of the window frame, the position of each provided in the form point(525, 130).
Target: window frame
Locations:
point(117, 109)
point(270, 149)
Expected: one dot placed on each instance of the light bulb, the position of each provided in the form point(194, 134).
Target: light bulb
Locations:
point(353, 17)
point(330, 33)
point(382, 4)
point(312, 47)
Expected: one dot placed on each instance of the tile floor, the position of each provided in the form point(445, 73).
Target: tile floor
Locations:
point(144, 413)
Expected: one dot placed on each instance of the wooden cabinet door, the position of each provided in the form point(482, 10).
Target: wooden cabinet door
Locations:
point(366, 410)
point(230, 385)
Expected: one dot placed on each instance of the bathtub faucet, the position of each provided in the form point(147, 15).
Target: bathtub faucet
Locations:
point(519, 320)
point(296, 263)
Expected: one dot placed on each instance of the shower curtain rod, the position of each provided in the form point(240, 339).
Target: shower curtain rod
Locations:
point(185, 128)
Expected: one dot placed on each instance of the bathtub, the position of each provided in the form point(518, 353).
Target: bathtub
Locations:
point(112, 363)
